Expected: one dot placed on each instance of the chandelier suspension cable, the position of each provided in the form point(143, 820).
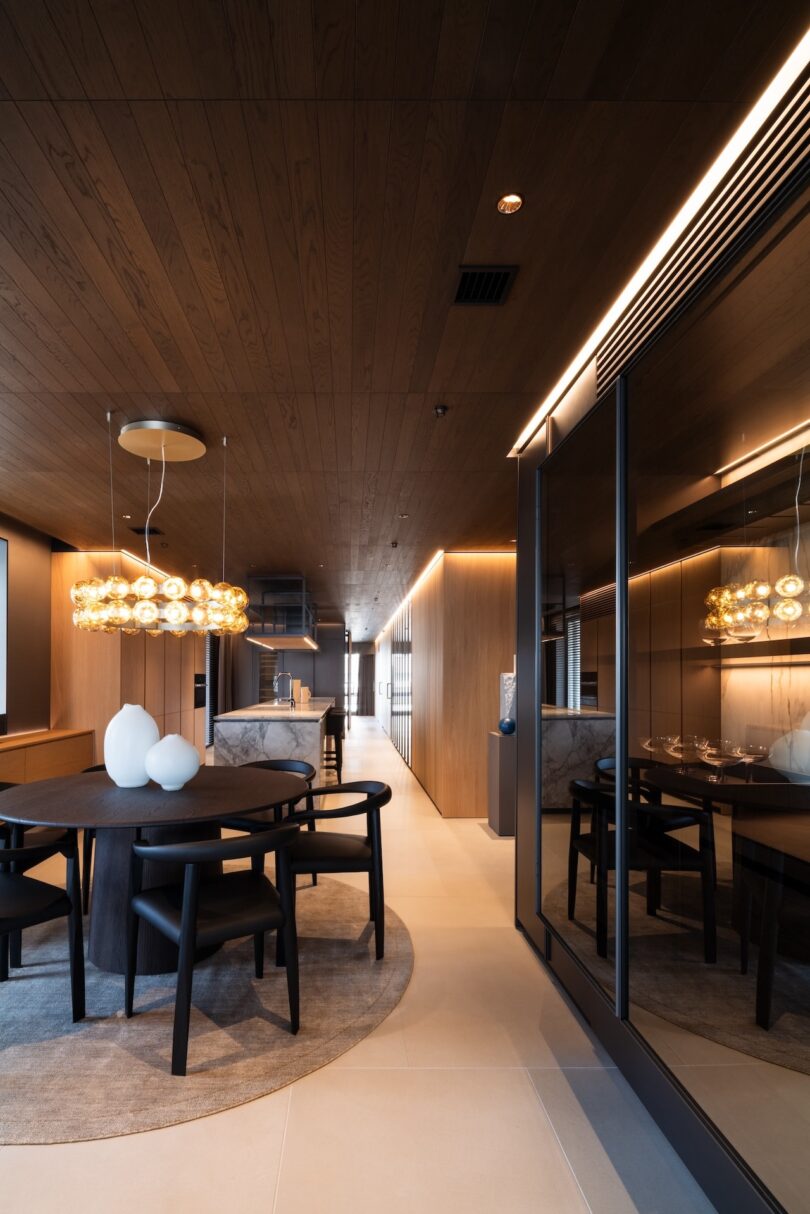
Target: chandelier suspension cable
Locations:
point(112, 496)
point(157, 502)
point(224, 495)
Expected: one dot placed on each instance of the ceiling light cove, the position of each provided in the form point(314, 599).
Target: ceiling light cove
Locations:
point(509, 204)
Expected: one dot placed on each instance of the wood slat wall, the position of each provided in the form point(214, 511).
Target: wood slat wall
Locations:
point(250, 216)
point(93, 674)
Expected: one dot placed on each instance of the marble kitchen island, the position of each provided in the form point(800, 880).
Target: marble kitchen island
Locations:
point(271, 731)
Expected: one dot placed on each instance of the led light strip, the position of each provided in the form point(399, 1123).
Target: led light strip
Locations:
point(782, 82)
point(427, 569)
point(764, 448)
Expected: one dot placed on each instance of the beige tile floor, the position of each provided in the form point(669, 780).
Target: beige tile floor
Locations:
point(482, 1092)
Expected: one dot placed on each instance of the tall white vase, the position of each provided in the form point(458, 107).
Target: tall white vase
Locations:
point(129, 735)
point(172, 762)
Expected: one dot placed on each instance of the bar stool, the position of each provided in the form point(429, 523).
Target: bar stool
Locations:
point(334, 732)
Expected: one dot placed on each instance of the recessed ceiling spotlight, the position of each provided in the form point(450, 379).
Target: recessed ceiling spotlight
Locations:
point(508, 204)
point(403, 516)
point(440, 410)
point(513, 541)
point(126, 516)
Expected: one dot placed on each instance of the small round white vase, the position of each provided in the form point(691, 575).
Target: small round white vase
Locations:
point(128, 737)
point(172, 762)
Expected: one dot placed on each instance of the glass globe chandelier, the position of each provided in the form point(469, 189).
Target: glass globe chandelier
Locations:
point(740, 612)
point(156, 603)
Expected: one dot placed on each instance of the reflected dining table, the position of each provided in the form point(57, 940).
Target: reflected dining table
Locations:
point(91, 801)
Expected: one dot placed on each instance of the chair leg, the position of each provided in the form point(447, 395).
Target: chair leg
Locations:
point(709, 921)
point(653, 890)
point(290, 937)
point(258, 954)
point(767, 952)
point(573, 858)
point(3, 958)
point(133, 923)
point(182, 1007)
point(15, 950)
point(87, 863)
point(372, 902)
point(75, 938)
point(339, 758)
point(281, 949)
point(745, 903)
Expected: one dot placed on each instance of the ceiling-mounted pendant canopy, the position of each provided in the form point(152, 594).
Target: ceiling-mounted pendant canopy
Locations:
point(162, 440)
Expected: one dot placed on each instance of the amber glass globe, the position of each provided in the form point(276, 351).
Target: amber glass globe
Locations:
point(145, 587)
point(145, 612)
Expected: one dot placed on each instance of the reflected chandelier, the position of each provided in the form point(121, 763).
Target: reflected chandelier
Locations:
point(155, 603)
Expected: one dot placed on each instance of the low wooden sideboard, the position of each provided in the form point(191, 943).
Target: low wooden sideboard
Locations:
point(48, 752)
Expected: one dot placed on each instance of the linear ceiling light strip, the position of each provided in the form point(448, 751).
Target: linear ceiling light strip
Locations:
point(772, 98)
point(760, 178)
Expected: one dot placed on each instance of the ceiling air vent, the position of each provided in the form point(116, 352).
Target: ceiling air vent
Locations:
point(484, 286)
point(142, 531)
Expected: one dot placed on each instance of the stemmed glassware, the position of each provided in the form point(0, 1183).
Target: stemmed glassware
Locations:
point(750, 754)
point(719, 753)
point(686, 748)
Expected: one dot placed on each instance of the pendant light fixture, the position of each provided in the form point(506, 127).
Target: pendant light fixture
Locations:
point(155, 603)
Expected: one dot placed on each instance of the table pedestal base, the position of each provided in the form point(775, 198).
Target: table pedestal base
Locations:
point(107, 946)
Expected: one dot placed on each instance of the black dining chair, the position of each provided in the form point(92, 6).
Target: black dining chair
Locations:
point(648, 851)
point(88, 839)
point(25, 902)
point(667, 818)
point(203, 911)
point(296, 767)
point(14, 835)
point(332, 852)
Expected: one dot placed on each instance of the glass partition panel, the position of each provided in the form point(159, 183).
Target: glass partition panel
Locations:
point(719, 705)
point(577, 675)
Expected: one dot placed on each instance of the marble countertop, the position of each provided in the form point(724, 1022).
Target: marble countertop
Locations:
point(313, 710)
point(556, 712)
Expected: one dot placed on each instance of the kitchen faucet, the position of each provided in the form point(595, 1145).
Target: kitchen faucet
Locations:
point(282, 674)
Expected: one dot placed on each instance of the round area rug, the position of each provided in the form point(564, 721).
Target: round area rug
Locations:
point(106, 1076)
point(669, 977)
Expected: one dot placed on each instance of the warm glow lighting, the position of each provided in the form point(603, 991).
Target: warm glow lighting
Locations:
point(508, 204)
point(744, 134)
point(768, 448)
point(157, 602)
point(437, 556)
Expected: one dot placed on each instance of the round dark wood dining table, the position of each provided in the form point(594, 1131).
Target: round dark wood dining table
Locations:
point(91, 801)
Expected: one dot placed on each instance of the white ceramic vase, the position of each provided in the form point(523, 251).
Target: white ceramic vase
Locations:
point(172, 762)
point(129, 735)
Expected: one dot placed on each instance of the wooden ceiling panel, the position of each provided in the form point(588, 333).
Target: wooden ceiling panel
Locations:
point(249, 217)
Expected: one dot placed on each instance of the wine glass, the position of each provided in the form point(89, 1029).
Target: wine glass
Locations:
point(719, 753)
point(749, 754)
point(686, 748)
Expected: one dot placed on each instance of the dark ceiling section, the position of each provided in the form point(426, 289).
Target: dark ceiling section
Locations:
point(250, 217)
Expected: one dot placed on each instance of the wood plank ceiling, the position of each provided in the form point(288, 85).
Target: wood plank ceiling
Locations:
point(249, 217)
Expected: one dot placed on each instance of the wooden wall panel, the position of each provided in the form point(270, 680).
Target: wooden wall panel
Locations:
point(478, 644)
point(427, 674)
point(173, 671)
point(12, 767)
point(665, 650)
point(154, 696)
point(638, 673)
point(59, 758)
point(463, 625)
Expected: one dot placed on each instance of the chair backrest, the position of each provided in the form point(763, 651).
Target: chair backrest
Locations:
point(298, 767)
point(375, 793)
point(243, 847)
point(335, 724)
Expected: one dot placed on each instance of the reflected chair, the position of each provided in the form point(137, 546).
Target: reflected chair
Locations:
point(202, 912)
point(88, 839)
point(331, 852)
point(668, 817)
point(335, 731)
point(649, 851)
point(297, 767)
point(25, 902)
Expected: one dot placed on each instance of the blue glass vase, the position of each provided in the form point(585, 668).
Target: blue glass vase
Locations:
point(507, 725)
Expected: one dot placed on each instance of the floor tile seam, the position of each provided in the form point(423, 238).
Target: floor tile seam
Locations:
point(277, 1187)
point(553, 1129)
